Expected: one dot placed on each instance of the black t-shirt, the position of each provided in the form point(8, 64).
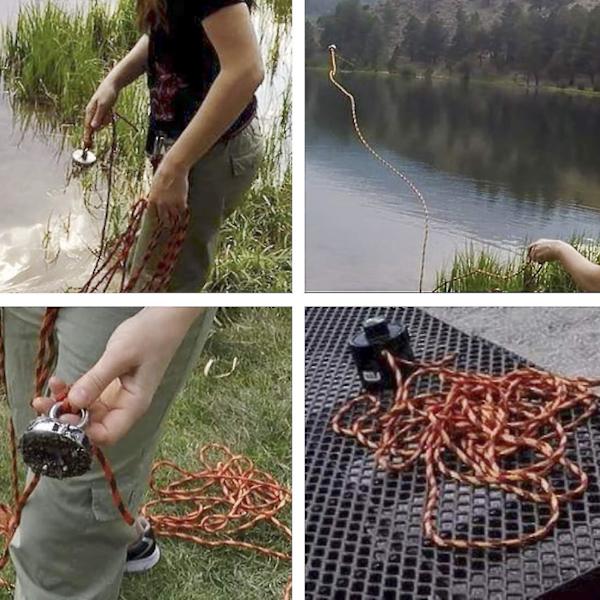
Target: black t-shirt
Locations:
point(182, 66)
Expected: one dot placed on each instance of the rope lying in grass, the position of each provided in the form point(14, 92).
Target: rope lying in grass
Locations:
point(365, 143)
point(478, 422)
point(111, 268)
point(229, 495)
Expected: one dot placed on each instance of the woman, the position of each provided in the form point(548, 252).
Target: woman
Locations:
point(127, 366)
point(203, 65)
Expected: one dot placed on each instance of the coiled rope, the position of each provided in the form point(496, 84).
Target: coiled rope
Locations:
point(383, 161)
point(227, 497)
point(469, 428)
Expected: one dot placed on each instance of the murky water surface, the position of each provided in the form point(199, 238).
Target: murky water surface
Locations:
point(45, 231)
point(497, 166)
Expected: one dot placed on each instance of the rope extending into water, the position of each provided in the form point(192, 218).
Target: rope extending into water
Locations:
point(506, 433)
point(394, 170)
point(225, 499)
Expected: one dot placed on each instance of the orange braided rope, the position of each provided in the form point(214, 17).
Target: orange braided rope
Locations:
point(113, 260)
point(114, 265)
point(229, 495)
point(529, 277)
point(476, 421)
point(414, 189)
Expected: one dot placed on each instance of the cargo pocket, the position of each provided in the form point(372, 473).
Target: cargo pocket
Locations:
point(245, 165)
point(103, 505)
point(246, 152)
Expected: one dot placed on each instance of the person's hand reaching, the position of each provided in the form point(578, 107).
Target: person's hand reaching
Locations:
point(544, 250)
point(99, 111)
point(119, 388)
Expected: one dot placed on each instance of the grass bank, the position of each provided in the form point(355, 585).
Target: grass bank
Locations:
point(249, 410)
point(52, 61)
point(484, 271)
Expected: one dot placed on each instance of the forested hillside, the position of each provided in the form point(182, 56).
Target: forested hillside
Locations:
point(555, 40)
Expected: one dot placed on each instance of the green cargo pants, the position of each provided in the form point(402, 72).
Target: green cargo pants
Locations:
point(218, 183)
point(72, 542)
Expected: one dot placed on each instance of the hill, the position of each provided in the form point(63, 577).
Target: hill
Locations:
point(489, 10)
point(538, 40)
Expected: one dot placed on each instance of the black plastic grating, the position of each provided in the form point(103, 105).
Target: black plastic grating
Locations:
point(363, 526)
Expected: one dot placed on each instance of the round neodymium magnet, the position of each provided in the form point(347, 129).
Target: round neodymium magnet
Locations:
point(84, 157)
point(56, 449)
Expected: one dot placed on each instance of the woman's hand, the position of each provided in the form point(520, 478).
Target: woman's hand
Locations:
point(169, 191)
point(544, 251)
point(99, 111)
point(119, 388)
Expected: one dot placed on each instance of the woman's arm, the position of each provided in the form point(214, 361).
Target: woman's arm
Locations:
point(119, 388)
point(585, 273)
point(231, 33)
point(99, 109)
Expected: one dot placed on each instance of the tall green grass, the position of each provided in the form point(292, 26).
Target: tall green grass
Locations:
point(484, 271)
point(53, 59)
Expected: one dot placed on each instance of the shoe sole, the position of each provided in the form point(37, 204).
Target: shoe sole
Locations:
point(143, 564)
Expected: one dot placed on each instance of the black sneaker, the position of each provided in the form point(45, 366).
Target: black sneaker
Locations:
point(143, 554)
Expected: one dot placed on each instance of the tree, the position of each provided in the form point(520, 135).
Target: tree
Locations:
point(565, 60)
point(506, 35)
point(433, 41)
point(480, 37)
point(389, 18)
point(374, 44)
point(588, 58)
point(394, 62)
point(412, 34)
point(461, 44)
point(356, 32)
point(533, 53)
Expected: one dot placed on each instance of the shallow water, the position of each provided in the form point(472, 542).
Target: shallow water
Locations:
point(46, 231)
point(497, 167)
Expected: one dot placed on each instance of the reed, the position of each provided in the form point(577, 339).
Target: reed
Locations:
point(52, 61)
point(485, 271)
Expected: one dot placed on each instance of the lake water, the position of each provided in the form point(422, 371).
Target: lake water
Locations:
point(46, 232)
point(497, 166)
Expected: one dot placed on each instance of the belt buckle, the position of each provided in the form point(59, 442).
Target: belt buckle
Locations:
point(159, 149)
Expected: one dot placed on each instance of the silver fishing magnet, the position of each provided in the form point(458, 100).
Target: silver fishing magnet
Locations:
point(84, 157)
point(56, 449)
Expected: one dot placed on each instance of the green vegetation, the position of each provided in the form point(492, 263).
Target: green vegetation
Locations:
point(52, 61)
point(483, 271)
point(551, 41)
point(249, 410)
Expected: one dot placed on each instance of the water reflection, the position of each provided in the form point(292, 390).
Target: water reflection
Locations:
point(498, 165)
